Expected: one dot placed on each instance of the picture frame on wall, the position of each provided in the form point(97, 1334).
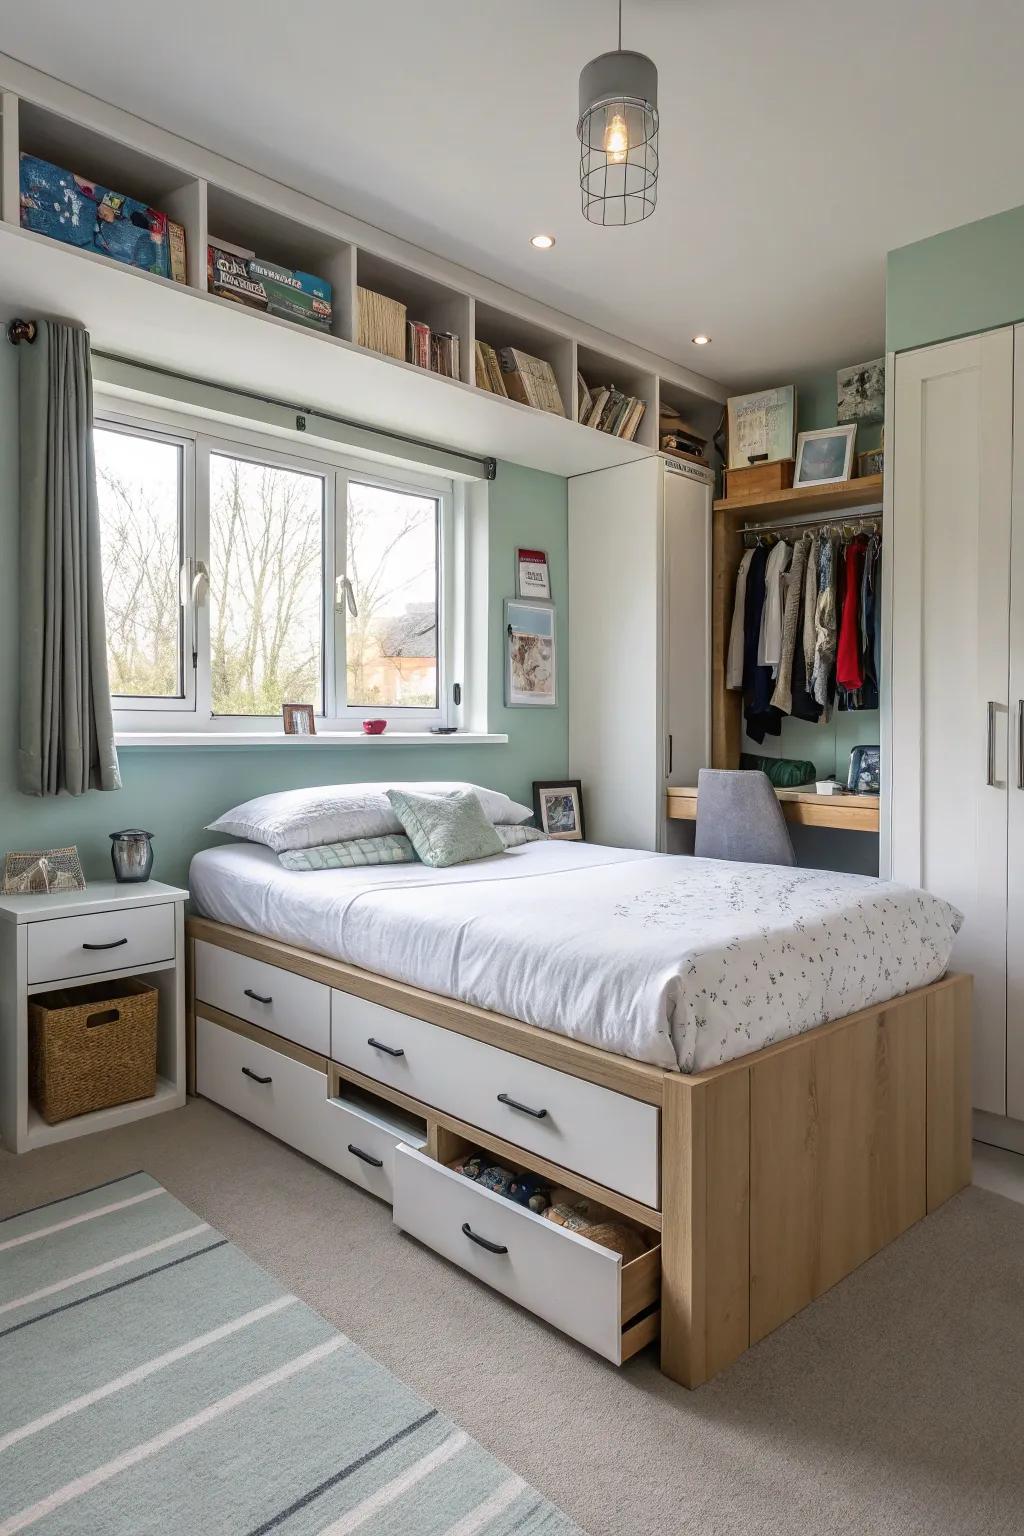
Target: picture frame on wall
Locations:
point(761, 426)
point(532, 577)
point(558, 809)
point(825, 456)
point(531, 655)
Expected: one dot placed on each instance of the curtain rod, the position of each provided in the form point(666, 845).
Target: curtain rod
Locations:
point(25, 330)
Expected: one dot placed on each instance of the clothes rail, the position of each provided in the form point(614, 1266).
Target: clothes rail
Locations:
point(817, 520)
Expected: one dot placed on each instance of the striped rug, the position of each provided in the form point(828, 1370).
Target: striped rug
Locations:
point(153, 1379)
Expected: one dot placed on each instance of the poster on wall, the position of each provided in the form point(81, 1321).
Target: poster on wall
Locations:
point(532, 579)
point(531, 665)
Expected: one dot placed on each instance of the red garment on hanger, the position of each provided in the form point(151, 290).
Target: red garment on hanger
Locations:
point(849, 671)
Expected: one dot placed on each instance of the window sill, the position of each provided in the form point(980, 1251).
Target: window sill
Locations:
point(322, 739)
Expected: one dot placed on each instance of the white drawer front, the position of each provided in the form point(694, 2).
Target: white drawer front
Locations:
point(286, 1004)
point(600, 1133)
point(66, 947)
point(570, 1282)
point(360, 1142)
point(293, 1106)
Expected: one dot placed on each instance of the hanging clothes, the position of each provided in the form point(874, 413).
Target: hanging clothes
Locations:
point(734, 659)
point(769, 649)
point(810, 604)
point(849, 654)
point(825, 621)
point(761, 719)
point(792, 620)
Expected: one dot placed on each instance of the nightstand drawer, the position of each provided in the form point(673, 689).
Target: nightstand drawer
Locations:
point(68, 947)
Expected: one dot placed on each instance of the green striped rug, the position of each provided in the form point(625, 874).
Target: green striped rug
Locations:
point(152, 1378)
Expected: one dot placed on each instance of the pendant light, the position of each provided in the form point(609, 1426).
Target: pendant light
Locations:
point(618, 134)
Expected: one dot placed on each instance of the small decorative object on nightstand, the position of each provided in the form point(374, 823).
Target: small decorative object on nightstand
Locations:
point(131, 853)
point(45, 870)
point(86, 945)
point(558, 809)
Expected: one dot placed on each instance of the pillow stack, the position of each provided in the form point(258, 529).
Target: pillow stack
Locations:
point(345, 826)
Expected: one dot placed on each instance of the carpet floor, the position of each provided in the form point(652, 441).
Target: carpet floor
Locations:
point(892, 1406)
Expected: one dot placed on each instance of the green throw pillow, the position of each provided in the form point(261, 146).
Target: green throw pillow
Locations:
point(446, 829)
point(354, 853)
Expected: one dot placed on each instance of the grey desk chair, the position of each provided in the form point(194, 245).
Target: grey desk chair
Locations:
point(739, 817)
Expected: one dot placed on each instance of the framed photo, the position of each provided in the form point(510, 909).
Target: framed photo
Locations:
point(871, 462)
point(761, 426)
point(532, 579)
point(531, 662)
point(860, 393)
point(299, 719)
point(558, 808)
point(825, 456)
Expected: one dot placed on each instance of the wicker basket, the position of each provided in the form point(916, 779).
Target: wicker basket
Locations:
point(92, 1046)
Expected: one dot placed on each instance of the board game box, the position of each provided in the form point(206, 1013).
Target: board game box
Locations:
point(263, 285)
point(80, 212)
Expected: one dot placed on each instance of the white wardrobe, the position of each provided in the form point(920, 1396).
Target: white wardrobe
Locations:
point(639, 636)
point(957, 668)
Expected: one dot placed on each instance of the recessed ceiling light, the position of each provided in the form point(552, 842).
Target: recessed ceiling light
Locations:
point(700, 341)
point(543, 242)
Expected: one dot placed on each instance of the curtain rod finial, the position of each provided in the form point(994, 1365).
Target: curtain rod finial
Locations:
point(21, 330)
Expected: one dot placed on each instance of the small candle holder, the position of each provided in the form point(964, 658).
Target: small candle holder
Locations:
point(131, 853)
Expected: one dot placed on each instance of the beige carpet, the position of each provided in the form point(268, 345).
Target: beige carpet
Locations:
point(893, 1405)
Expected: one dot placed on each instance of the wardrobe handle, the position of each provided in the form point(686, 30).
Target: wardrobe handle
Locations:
point(1020, 743)
point(990, 744)
point(390, 1050)
point(374, 1162)
point(483, 1241)
point(538, 1114)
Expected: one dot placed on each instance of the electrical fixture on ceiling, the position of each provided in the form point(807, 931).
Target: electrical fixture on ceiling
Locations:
point(543, 242)
point(700, 341)
point(618, 134)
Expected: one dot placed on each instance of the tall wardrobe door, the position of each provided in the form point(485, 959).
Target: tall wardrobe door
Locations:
point(687, 598)
point(1015, 872)
point(949, 544)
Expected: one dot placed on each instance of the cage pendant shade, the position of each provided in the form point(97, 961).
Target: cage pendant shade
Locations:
point(618, 134)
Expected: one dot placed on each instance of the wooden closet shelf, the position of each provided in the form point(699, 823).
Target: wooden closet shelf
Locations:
point(863, 492)
point(805, 808)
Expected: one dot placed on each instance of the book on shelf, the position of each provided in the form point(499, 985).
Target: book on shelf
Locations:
point(530, 380)
point(584, 399)
point(676, 436)
point(381, 324)
point(488, 370)
point(417, 343)
point(176, 251)
point(444, 354)
point(610, 410)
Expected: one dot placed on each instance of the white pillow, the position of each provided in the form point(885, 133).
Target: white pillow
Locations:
point(336, 813)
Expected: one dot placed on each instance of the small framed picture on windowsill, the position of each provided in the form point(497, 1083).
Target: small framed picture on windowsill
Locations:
point(299, 719)
point(558, 809)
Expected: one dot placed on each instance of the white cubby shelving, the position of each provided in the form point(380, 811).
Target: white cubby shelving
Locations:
point(183, 328)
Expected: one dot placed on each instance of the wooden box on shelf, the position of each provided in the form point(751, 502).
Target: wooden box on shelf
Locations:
point(759, 479)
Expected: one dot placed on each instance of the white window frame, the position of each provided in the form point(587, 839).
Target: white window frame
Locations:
point(198, 440)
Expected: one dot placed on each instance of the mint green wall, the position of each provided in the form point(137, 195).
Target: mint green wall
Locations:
point(964, 280)
point(173, 792)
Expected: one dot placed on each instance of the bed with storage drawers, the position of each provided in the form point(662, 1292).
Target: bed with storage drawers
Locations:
point(757, 1182)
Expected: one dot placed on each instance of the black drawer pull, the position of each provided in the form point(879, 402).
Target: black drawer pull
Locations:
point(113, 944)
point(391, 1050)
point(538, 1114)
point(374, 1162)
point(483, 1241)
point(256, 997)
point(248, 1072)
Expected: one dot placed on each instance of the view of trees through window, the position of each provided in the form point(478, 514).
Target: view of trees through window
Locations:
point(138, 482)
point(266, 587)
point(391, 640)
point(267, 582)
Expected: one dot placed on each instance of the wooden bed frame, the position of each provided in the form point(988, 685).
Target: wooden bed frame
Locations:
point(781, 1171)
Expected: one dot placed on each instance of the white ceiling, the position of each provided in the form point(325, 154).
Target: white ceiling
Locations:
point(800, 140)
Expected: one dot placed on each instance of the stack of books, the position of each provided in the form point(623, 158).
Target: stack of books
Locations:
point(674, 436)
point(381, 324)
point(488, 370)
point(530, 380)
point(608, 409)
point(436, 350)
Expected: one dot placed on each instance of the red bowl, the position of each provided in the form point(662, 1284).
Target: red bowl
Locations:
point(375, 727)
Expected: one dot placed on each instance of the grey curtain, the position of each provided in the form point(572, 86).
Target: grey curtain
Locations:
point(66, 740)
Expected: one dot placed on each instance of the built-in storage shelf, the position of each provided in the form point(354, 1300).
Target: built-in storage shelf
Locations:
point(180, 326)
point(804, 808)
point(863, 492)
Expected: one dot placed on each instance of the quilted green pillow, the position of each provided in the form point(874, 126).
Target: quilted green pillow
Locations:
point(354, 853)
point(446, 829)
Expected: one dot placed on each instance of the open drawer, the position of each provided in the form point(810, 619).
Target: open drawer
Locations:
point(576, 1285)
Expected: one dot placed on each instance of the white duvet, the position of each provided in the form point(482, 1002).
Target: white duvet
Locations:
point(676, 961)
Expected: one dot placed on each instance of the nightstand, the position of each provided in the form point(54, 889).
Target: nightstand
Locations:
point(106, 932)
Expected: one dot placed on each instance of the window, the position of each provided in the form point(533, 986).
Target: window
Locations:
point(139, 482)
point(240, 577)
